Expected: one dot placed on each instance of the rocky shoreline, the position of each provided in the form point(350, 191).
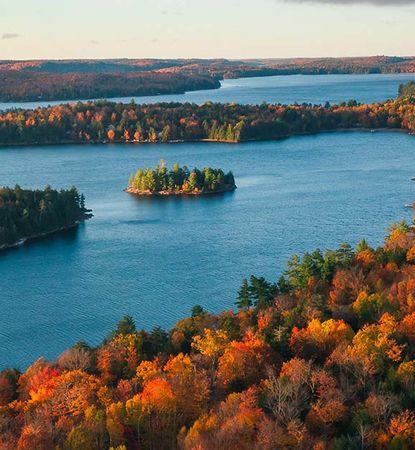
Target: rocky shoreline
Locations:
point(228, 188)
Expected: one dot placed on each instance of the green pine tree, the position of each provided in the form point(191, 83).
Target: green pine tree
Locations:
point(125, 326)
point(244, 296)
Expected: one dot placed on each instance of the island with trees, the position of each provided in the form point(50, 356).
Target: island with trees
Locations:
point(322, 359)
point(178, 181)
point(108, 122)
point(29, 214)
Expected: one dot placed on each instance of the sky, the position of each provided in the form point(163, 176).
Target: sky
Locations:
point(53, 29)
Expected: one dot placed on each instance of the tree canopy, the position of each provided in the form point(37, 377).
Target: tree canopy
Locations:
point(180, 180)
point(108, 122)
point(26, 213)
point(322, 359)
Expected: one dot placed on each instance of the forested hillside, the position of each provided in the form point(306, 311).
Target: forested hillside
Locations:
point(322, 359)
point(22, 86)
point(83, 79)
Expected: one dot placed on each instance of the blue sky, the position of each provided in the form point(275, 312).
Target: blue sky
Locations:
point(196, 28)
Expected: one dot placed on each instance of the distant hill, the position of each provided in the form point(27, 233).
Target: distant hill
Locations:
point(21, 85)
point(82, 79)
point(379, 64)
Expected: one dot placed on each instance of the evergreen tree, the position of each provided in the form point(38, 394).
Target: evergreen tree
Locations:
point(244, 296)
point(262, 292)
point(283, 285)
point(198, 311)
point(362, 245)
point(125, 326)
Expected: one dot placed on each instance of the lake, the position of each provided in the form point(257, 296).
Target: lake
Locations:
point(316, 89)
point(156, 258)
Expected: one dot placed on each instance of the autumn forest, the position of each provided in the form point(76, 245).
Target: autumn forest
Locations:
point(33, 80)
point(104, 121)
point(207, 225)
point(322, 359)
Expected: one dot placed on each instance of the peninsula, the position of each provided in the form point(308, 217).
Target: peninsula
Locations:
point(329, 347)
point(29, 214)
point(180, 181)
point(107, 122)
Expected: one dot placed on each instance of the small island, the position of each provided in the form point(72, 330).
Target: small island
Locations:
point(179, 181)
point(29, 214)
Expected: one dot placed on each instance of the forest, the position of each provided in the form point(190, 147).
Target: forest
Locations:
point(322, 358)
point(322, 66)
point(25, 214)
point(106, 122)
point(87, 79)
point(407, 90)
point(179, 180)
point(22, 86)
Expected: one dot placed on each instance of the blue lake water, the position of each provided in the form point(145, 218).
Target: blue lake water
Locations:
point(156, 258)
point(316, 89)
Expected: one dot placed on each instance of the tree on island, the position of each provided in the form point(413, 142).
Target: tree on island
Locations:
point(180, 180)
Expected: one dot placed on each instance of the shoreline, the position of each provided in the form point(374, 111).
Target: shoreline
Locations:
point(223, 77)
point(204, 140)
point(25, 240)
point(65, 101)
point(139, 193)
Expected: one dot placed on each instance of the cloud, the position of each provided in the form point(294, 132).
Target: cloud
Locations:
point(358, 2)
point(9, 36)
